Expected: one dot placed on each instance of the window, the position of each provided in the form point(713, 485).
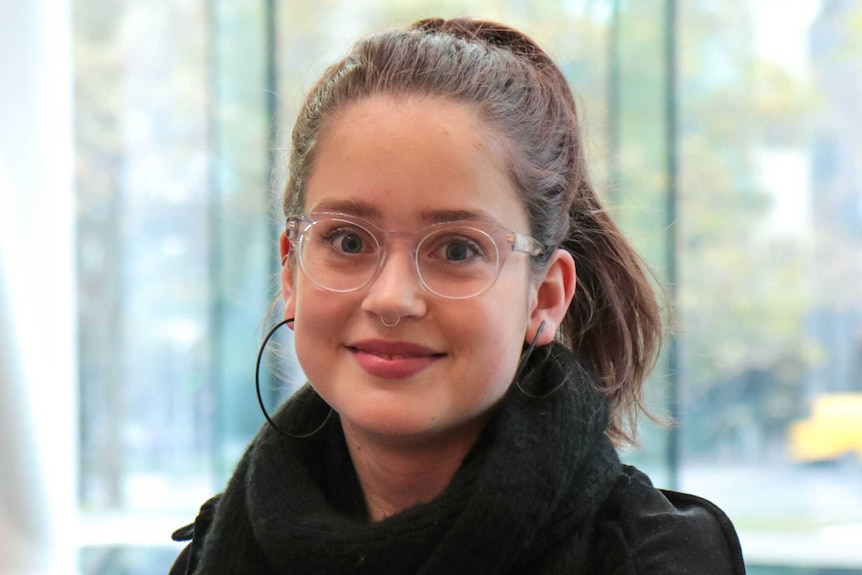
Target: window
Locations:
point(739, 170)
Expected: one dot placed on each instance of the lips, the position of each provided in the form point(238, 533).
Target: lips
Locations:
point(393, 360)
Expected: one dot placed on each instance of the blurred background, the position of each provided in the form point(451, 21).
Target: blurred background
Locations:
point(140, 150)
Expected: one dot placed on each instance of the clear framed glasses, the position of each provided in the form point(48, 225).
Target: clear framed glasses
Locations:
point(453, 260)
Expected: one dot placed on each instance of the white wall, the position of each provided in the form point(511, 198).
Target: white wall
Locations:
point(37, 304)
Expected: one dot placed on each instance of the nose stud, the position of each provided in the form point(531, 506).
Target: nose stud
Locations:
point(388, 323)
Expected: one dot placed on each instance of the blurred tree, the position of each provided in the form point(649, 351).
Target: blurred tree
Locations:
point(101, 293)
point(174, 123)
point(141, 168)
point(743, 290)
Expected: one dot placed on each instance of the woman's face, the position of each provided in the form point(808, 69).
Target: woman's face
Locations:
point(403, 164)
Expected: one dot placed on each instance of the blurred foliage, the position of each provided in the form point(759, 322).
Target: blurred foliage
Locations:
point(177, 217)
point(743, 292)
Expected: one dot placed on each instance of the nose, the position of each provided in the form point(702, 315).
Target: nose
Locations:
point(396, 291)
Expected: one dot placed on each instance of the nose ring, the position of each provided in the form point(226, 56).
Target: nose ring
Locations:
point(390, 324)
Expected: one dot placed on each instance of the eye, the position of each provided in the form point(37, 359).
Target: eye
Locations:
point(347, 240)
point(348, 243)
point(457, 247)
point(459, 250)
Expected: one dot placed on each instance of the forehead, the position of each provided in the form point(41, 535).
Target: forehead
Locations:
point(397, 158)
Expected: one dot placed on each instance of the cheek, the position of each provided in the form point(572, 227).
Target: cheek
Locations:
point(493, 335)
point(308, 356)
point(321, 315)
point(314, 341)
point(318, 318)
point(509, 318)
point(505, 309)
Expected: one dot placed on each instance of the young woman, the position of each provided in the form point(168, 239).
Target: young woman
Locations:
point(475, 331)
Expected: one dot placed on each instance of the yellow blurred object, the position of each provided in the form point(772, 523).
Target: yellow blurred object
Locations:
point(834, 430)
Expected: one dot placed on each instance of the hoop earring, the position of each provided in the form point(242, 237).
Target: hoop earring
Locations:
point(523, 363)
point(260, 397)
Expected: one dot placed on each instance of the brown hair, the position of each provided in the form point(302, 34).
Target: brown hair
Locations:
point(614, 322)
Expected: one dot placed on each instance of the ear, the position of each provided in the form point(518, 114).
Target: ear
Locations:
point(553, 295)
point(288, 278)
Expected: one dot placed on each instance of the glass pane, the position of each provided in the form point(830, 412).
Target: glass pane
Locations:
point(142, 172)
point(770, 308)
point(177, 108)
point(173, 144)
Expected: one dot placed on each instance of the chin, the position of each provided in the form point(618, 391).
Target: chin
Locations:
point(395, 423)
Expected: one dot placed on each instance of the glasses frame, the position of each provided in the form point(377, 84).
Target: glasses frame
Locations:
point(297, 224)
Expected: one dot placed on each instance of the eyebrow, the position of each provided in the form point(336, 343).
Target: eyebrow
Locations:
point(356, 208)
point(362, 209)
point(443, 216)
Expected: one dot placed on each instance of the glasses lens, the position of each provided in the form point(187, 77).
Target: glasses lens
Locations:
point(338, 254)
point(457, 262)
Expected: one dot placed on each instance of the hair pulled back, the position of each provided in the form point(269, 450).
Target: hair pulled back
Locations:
point(614, 321)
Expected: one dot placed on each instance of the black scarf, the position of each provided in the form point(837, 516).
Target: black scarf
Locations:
point(523, 501)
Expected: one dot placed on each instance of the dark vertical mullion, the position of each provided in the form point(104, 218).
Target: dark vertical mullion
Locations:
point(672, 232)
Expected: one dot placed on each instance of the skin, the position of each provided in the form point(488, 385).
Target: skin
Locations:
point(413, 398)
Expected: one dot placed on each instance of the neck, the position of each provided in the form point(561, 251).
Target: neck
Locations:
point(398, 475)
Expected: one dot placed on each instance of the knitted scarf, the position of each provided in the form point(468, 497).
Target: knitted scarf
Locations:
point(524, 499)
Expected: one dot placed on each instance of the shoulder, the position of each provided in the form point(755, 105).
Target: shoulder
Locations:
point(195, 532)
point(643, 530)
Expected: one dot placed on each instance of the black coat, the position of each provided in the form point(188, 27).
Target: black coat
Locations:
point(640, 531)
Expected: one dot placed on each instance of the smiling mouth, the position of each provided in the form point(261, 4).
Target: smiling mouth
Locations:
point(394, 356)
point(393, 361)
